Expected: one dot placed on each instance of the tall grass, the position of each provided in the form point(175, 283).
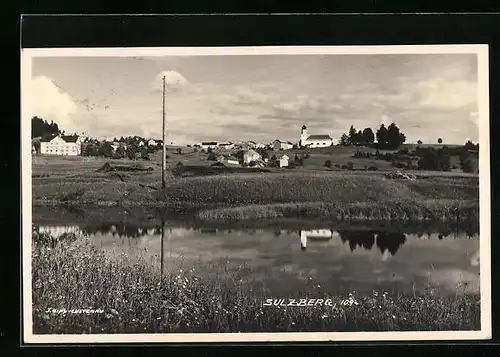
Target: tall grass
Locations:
point(135, 298)
point(269, 195)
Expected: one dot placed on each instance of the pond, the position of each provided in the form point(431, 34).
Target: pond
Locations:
point(339, 260)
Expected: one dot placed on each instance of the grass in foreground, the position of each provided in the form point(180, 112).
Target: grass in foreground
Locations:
point(72, 274)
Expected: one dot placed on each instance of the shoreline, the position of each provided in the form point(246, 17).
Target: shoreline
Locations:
point(153, 217)
point(244, 197)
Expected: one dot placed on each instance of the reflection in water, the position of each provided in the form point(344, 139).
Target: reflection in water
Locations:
point(362, 265)
point(317, 234)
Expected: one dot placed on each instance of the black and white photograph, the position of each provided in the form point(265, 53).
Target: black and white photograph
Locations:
point(278, 193)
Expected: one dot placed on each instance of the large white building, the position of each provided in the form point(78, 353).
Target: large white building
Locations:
point(61, 145)
point(314, 141)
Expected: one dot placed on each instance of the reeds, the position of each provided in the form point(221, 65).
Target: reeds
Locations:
point(135, 298)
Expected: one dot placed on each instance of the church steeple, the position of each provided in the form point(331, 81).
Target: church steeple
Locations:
point(303, 135)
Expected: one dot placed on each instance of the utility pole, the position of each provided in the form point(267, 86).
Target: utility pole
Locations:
point(164, 153)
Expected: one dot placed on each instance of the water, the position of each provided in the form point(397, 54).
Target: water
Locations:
point(339, 261)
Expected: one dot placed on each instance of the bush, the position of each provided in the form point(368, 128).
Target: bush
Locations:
point(350, 165)
point(328, 163)
point(212, 157)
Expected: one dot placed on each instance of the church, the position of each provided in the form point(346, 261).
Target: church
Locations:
point(314, 141)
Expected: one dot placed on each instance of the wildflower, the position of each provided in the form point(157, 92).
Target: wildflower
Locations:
point(319, 286)
point(324, 316)
point(393, 316)
point(293, 323)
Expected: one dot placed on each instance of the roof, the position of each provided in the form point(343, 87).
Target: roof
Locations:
point(209, 143)
point(66, 138)
point(319, 137)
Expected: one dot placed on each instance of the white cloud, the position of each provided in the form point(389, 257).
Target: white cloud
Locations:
point(174, 81)
point(52, 103)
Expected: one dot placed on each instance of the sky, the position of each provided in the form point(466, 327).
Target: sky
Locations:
point(260, 97)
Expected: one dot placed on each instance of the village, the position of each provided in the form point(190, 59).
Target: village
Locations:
point(223, 154)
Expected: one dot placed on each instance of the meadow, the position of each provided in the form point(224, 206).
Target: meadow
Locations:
point(135, 297)
point(311, 193)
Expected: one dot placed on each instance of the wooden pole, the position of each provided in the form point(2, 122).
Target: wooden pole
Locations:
point(164, 153)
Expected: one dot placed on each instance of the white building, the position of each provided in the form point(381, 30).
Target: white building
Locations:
point(209, 145)
point(250, 155)
point(314, 141)
point(260, 146)
point(284, 161)
point(152, 142)
point(282, 145)
point(61, 145)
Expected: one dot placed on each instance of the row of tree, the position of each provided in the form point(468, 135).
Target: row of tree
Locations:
point(104, 149)
point(387, 137)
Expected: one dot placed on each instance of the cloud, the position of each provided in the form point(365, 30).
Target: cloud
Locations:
point(174, 81)
point(50, 102)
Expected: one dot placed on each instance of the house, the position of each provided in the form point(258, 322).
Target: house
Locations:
point(314, 141)
point(141, 143)
point(228, 159)
point(260, 146)
point(152, 142)
point(250, 155)
point(282, 145)
point(209, 145)
point(61, 145)
point(226, 146)
point(317, 234)
point(284, 161)
point(249, 145)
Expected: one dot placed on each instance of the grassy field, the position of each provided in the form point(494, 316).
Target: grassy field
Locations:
point(331, 194)
point(135, 298)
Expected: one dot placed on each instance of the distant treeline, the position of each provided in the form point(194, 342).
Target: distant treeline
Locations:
point(387, 137)
point(429, 158)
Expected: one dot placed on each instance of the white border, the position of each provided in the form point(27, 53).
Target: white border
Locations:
point(484, 179)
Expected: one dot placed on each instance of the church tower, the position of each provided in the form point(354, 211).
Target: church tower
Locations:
point(303, 136)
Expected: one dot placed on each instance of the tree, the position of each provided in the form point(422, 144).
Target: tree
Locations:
point(328, 163)
point(394, 137)
point(90, 150)
point(40, 127)
point(263, 153)
point(179, 151)
point(368, 136)
point(105, 149)
point(132, 151)
point(120, 152)
point(440, 141)
point(352, 135)
point(382, 136)
point(211, 156)
point(419, 142)
point(344, 140)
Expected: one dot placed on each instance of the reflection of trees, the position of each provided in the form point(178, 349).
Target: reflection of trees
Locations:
point(277, 232)
point(365, 239)
point(121, 230)
point(390, 241)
